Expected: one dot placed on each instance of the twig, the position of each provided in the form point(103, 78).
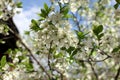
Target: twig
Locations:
point(61, 75)
point(96, 75)
point(49, 56)
point(94, 60)
point(31, 54)
point(117, 75)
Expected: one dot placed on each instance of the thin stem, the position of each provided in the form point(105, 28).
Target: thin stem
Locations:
point(117, 74)
point(96, 75)
point(28, 49)
point(94, 60)
point(50, 56)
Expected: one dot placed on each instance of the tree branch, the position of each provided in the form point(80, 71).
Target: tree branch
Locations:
point(31, 54)
point(91, 60)
point(117, 74)
point(96, 75)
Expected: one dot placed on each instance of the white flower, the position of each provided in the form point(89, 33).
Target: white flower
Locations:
point(6, 67)
point(64, 1)
point(15, 60)
point(55, 18)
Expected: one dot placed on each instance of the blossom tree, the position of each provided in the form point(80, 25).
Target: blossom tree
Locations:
point(71, 40)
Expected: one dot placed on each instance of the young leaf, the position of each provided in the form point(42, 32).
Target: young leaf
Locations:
point(3, 61)
point(29, 67)
point(27, 32)
point(70, 49)
point(80, 35)
point(74, 52)
point(64, 10)
point(116, 5)
point(118, 1)
point(116, 49)
point(100, 35)
point(97, 29)
point(63, 48)
point(19, 4)
point(46, 7)
point(35, 25)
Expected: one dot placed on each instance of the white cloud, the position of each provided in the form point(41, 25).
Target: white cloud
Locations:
point(23, 19)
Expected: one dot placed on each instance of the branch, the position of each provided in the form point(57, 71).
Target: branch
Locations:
point(49, 56)
point(31, 54)
point(91, 60)
point(51, 69)
point(61, 75)
point(117, 75)
point(96, 75)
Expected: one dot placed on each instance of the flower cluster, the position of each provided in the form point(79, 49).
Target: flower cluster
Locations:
point(8, 8)
point(59, 31)
point(90, 51)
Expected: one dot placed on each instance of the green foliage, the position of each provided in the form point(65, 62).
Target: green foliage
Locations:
point(35, 25)
point(118, 1)
point(97, 30)
point(65, 11)
point(3, 61)
point(116, 49)
point(99, 13)
point(1, 13)
point(28, 65)
point(71, 50)
point(45, 11)
point(46, 7)
point(80, 35)
point(27, 32)
point(70, 54)
point(59, 55)
point(19, 4)
point(116, 5)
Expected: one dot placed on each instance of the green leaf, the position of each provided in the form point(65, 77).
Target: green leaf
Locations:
point(58, 55)
point(29, 67)
point(27, 32)
point(116, 49)
point(1, 13)
point(43, 13)
point(2, 42)
point(74, 52)
point(70, 49)
point(46, 7)
point(97, 29)
point(38, 52)
point(64, 10)
point(67, 16)
point(100, 14)
point(80, 35)
point(118, 1)
point(63, 48)
point(116, 5)
point(100, 35)
point(3, 61)
point(19, 4)
point(35, 25)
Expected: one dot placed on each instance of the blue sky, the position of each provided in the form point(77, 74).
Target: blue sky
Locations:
point(29, 3)
point(28, 12)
